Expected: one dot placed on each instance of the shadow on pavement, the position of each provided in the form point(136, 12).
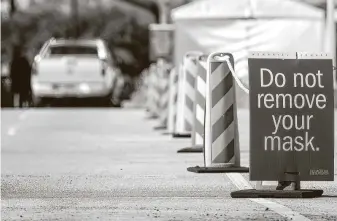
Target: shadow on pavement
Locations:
point(73, 103)
point(78, 103)
point(329, 196)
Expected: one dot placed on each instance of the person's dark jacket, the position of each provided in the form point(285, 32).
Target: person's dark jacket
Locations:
point(20, 73)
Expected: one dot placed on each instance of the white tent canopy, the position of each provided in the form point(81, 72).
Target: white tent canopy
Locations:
point(208, 9)
point(241, 26)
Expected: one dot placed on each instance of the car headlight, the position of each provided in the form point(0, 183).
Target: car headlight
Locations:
point(41, 86)
point(84, 88)
point(97, 86)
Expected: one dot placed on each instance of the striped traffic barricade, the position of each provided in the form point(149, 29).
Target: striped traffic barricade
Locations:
point(152, 93)
point(186, 95)
point(163, 88)
point(157, 89)
point(151, 89)
point(198, 107)
point(178, 125)
point(222, 152)
point(141, 88)
point(200, 103)
point(147, 90)
point(173, 96)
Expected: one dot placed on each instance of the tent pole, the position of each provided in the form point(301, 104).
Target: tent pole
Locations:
point(330, 27)
point(163, 8)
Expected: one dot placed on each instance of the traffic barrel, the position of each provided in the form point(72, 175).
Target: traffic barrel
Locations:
point(222, 152)
point(186, 95)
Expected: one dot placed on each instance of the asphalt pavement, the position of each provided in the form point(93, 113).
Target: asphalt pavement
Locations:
point(109, 164)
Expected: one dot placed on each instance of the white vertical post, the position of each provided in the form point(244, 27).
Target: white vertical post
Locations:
point(163, 9)
point(330, 31)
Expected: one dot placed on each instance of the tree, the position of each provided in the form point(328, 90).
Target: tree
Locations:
point(151, 6)
point(13, 7)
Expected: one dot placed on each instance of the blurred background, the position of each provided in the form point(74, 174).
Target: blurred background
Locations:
point(122, 24)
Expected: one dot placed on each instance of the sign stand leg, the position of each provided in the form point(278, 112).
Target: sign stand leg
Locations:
point(296, 185)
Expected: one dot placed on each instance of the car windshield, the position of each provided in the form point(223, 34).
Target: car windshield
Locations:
point(72, 50)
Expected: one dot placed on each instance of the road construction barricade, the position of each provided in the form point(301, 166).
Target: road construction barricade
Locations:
point(147, 91)
point(141, 87)
point(200, 102)
point(198, 108)
point(152, 93)
point(173, 96)
point(163, 89)
point(222, 153)
point(147, 85)
point(186, 95)
point(149, 96)
point(157, 90)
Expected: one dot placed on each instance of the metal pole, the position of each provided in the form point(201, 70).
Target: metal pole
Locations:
point(162, 5)
point(330, 26)
point(12, 7)
point(74, 13)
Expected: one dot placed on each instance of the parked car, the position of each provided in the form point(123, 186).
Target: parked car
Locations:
point(66, 68)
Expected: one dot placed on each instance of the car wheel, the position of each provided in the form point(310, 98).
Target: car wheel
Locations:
point(37, 101)
point(107, 100)
point(117, 104)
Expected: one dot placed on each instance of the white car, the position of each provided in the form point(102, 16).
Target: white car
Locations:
point(67, 68)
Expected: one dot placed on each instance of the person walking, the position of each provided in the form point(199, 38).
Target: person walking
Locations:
point(20, 74)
